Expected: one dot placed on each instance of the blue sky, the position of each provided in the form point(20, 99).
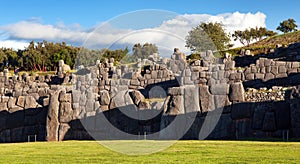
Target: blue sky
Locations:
point(87, 13)
point(68, 18)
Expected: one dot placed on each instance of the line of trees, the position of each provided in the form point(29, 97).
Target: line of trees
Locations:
point(44, 56)
point(211, 36)
point(245, 37)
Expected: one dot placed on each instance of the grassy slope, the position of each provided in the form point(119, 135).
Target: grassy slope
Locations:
point(181, 152)
point(265, 45)
point(283, 39)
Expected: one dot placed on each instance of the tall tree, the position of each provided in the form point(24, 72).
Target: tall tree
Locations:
point(207, 36)
point(287, 26)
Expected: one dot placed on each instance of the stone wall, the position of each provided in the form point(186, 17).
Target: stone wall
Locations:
point(76, 106)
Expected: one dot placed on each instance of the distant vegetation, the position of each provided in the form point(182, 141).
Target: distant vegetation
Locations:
point(264, 39)
point(44, 56)
point(252, 34)
point(287, 26)
point(207, 36)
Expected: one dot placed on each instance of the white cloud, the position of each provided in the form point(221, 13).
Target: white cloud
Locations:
point(171, 33)
point(14, 44)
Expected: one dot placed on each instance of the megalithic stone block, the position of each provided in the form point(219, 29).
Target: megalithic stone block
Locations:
point(52, 123)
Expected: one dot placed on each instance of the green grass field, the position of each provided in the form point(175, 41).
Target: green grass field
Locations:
point(180, 152)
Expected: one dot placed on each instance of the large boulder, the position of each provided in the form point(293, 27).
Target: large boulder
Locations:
point(21, 101)
point(65, 112)
point(122, 100)
point(219, 89)
point(104, 97)
point(237, 92)
point(63, 131)
point(30, 102)
point(191, 99)
point(206, 99)
point(52, 117)
point(176, 105)
point(175, 91)
point(137, 97)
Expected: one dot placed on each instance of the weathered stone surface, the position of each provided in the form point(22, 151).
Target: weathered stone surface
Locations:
point(144, 105)
point(295, 65)
point(176, 105)
point(65, 97)
point(65, 112)
point(89, 106)
point(237, 92)
point(15, 109)
point(176, 91)
point(4, 99)
point(259, 76)
point(104, 97)
point(220, 101)
point(191, 99)
point(122, 100)
point(52, 117)
point(235, 76)
point(267, 62)
point(274, 70)
point(135, 82)
point(30, 102)
point(104, 108)
point(206, 99)
point(137, 97)
point(281, 75)
point(269, 76)
point(3, 106)
point(282, 69)
point(63, 130)
point(11, 102)
point(219, 89)
point(269, 123)
point(229, 65)
point(154, 74)
point(249, 76)
point(82, 100)
point(253, 69)
point(90, 95)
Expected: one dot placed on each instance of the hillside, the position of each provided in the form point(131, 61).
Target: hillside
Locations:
point(264, 46)
point(283, 39)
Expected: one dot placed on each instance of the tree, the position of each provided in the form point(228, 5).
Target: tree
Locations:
point(248, 35)
point(207, 36)
point(144, 51)
point(287, 26)
point(243, 36)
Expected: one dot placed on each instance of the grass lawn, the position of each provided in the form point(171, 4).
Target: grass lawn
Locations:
point(180, 152)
